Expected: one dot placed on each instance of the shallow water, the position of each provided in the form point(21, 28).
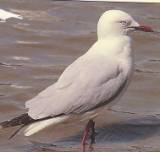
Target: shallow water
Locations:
point(35, 51)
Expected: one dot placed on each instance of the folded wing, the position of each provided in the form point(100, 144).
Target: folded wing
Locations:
point(83, 86)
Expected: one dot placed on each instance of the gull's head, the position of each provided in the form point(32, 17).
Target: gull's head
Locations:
point(117, 22)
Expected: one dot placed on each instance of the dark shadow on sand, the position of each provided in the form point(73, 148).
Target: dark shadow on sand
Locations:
point(122, 132)
point(125, 131)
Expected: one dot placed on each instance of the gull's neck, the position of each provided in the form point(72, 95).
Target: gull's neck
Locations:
point(112, 46)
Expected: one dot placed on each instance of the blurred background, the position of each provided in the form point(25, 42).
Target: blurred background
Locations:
point(34, 52)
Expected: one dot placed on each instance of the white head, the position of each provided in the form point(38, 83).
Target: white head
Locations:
point(117, 22)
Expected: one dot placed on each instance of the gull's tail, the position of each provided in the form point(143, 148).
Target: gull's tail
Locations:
point(32, 126)
point(40, 125)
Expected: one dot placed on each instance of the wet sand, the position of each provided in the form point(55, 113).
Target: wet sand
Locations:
point(35, 51)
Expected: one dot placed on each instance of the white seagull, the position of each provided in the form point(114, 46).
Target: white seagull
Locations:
point(4, 15)
point(90, 83)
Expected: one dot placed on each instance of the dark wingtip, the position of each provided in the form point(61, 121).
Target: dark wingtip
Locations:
point(14, 134)
point(4, 124)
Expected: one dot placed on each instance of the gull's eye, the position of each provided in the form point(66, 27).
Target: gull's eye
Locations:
point(123, 23)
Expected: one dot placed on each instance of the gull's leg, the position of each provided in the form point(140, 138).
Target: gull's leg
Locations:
point(85, 134)
point(93, 135)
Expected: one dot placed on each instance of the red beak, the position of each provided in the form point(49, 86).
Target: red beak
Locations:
point(144, 28)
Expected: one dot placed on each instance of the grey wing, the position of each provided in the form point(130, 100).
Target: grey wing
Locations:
point(49, 101)
point(84, 85)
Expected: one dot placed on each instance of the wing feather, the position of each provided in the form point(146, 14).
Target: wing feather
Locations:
point(81, 87)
